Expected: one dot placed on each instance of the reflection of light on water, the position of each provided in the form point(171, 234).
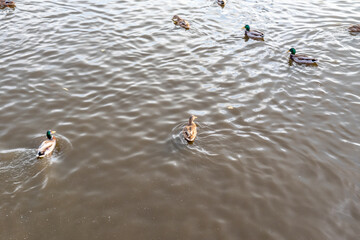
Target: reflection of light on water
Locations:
point(174, 163)
point(20, 170)
point(199, 113)
point(54, 159)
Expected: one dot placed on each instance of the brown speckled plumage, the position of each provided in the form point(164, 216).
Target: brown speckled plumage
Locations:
point(181, 22)
point(189, 130)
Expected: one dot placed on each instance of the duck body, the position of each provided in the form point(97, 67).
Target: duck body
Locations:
point(7, 3)
point(181, 22)
point(253, 33)
point(190, 131)
point(354, 28)
point(301, 59)
point(47, 147)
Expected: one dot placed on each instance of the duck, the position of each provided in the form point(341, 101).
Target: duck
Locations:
point(354, 28)
point(181, 22)
point(221, 2)
point(189, 130)
point(253, 34)
point(7, 3)
point(302, 59)
point(47, 147)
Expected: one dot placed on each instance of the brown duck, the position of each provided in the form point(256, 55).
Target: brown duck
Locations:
point(221, 2)
point(354, 28)
point(7, 3)
point(181, 22)
point(189, 130)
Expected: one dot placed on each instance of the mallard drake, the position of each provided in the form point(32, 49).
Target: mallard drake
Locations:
point(189, 130)
point(221, 2)
point(354, 28)
point(7, 3)
point(253, 34)
point(303, 59)
point(47, 147)
point(181, 22)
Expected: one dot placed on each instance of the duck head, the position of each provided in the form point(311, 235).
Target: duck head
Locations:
point(176, 18)
point(8, 3)
point(292, 50)
point(49, 134)
point(247, 27)
point(191, 119)
point(221, 2)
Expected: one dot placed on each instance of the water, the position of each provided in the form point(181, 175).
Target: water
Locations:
point(277, 155)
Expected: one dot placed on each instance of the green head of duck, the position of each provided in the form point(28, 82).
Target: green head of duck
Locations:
point(49, 134)
point(292, 50)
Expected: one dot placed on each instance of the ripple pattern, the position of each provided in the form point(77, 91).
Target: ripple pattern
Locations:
point(277, 152)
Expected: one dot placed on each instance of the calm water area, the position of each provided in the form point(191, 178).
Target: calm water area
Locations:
point(277, 156)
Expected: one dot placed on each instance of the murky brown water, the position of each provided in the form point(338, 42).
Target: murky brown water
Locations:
point(282, 164)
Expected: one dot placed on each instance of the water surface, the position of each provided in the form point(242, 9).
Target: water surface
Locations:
point(277, 155)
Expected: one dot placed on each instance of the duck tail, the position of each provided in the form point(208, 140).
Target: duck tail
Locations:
point(40, 154)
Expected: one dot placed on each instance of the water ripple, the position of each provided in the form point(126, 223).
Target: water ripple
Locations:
point(277, 149)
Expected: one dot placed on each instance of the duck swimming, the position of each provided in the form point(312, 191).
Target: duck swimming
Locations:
point(221, 2)
point(7, 3)
point(181, 22)
point(189, 130)
point(354, 28)
point(47, 147)
point(253, 34)
point(302, 59)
